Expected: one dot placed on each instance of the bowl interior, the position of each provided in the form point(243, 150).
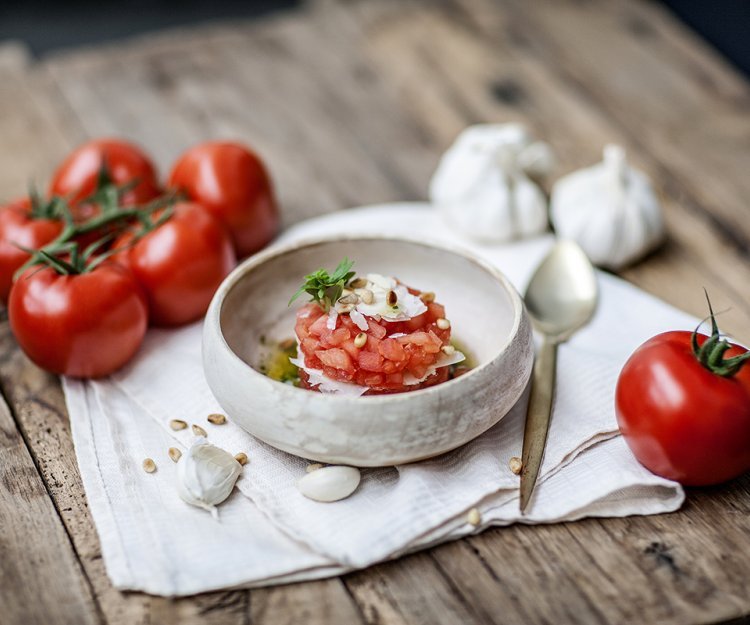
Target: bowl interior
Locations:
point(478, 303)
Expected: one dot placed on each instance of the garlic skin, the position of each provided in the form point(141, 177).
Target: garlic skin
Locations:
point(610, 210)
point(206, 475)
point(482, 185)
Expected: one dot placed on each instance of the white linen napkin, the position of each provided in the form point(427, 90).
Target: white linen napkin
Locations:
point(268, 533)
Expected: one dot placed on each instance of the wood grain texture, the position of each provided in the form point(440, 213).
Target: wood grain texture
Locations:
point(35, 550)
point(352, 103)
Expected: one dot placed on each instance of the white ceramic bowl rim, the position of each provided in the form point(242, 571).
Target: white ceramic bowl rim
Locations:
point(278, 251)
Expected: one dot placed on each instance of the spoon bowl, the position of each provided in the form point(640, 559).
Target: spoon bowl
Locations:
point(561, 296)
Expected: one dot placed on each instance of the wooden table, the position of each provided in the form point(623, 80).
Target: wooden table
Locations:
point(352, 103)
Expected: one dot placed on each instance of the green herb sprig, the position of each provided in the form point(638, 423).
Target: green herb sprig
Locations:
point(325, 288)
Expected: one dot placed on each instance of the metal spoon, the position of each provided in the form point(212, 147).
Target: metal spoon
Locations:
point(561, 298)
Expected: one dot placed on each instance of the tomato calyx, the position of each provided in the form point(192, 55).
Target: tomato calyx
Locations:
point(711, 353)
point(54, 208)
point(64, 254)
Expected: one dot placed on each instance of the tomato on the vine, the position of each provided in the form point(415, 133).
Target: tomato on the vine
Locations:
point(78, 175)
point(232, 182)
point(180, 263)
point(22, 225)
point(85, 324)
point(683, 406)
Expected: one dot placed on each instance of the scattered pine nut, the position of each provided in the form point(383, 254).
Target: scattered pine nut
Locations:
point(515, 465)
point(360, 340)
point(216, 419)
point(427, 297)
point(177, 424)
point(367, 296)
point(448, 350)
point(349, 299)
point(344, 308)
point(358, 283)
point(199, 431)
point(174, 454)
point(241, 458)
point(473, 518)
point(313, 467)
point(149, 466)
point(443, 324)
point(391, 299)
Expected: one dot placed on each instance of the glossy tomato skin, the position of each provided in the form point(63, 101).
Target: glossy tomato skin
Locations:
point(180, 264)
point(86, 325)
point(77, 175)
point(18, 227)
point(682, 421)
point(232, 182)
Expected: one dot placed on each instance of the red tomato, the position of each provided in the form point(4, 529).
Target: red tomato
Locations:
point(19, 227)
point(180, 264)
point(232, 183)
point(82, 325)
point(77, 175)
point(681, 420)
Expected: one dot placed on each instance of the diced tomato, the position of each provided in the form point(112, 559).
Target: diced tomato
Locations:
point(319, 326)
point(392, 350)
point(370, 361)
point(376, 329)
point(336, 358)
point(382, 362)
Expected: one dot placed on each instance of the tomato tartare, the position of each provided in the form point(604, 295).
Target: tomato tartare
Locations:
point(370, 335)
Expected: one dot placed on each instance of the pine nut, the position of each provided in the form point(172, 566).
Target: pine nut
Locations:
point(358, 283)
point(443, 324)
point(367, 296)
point(515, 464)
point(313, 467)
point(149, 466)
point(174, 454)
point(241, 458)
point(216, 419)
point(177, 424)
point(199, 431)
point(427, 297)
point(391, 299)
point(474, 518)
point(360, 340)
point(448, 350)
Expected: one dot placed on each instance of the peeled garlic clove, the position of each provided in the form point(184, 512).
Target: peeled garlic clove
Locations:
point(610, 210)
point(481, 185)
point(206, 475)
point(329, 483)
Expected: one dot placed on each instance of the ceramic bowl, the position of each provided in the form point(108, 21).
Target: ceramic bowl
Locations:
point(487, 318)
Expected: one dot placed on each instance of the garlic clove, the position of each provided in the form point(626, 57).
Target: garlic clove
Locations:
point(329, 484)
point(610, 210)
point(206, 475)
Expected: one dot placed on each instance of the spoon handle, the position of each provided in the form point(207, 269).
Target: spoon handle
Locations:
point(538, 418)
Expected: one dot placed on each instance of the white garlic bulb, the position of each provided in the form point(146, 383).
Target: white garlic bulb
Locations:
point(482, 185)
point(610, 210)
point(206, 475)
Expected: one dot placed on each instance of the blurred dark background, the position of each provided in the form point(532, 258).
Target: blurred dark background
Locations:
point(46, 25)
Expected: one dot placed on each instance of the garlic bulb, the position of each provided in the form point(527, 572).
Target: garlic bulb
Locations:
point(482, 185)
point(610, 210)
point(206, 475)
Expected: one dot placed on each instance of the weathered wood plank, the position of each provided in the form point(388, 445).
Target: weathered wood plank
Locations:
point(41, 580)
